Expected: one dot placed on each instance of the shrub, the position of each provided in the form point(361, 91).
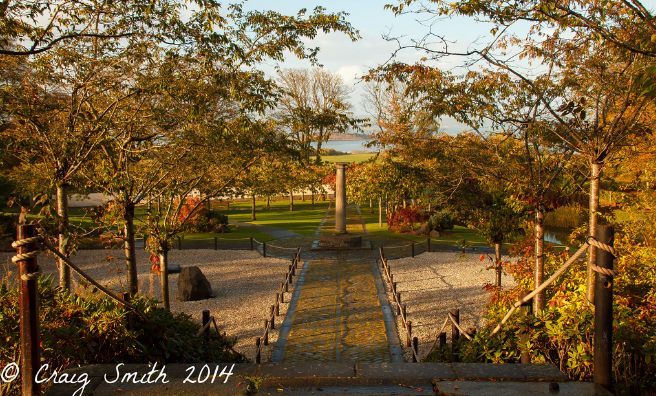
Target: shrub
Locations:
point(563, 334)
point(217, 222)
point(404, 219)
point(440, 221)
point(78, 330)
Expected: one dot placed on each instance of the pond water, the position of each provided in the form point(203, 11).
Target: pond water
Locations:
point(556, 235)
point(347, 146)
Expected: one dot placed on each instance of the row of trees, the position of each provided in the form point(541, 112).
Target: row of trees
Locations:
point(151, 102)
point(549, 108)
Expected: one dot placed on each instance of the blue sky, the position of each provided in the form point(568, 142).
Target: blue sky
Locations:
point(352, 59)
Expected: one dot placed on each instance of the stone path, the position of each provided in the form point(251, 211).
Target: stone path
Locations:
point(337, 313)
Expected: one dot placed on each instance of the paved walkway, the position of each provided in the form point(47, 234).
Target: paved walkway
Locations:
point(337, 313)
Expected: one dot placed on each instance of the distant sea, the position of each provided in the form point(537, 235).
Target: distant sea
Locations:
point(347, 146)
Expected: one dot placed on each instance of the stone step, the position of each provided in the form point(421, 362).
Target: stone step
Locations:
point(339, 378)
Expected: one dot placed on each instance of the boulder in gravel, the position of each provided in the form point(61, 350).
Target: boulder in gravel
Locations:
point(193, 285)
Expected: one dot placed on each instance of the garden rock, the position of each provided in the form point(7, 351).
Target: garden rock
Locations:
point(193, 285)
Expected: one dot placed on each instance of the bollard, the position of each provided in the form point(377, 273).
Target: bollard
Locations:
point(205, 321)
point(415, 347)
point(277, 304)
point(257, 350)
point(273, 322)
point(405, 312)
point(408, 341)
point(413, 248)
point(289, 271)
point(282, 297)
point(29, 311)
point(266, 332)
point(398, 297)
point(263, 249)
point(252, 244)
point(216, 243)
point(603, 320)
point(286, 286)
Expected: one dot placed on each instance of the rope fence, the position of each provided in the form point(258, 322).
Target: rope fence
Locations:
point(453, 316)
point(274, 310)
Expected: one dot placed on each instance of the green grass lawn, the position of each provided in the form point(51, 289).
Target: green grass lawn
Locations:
point(450, 237)
point(304, 220)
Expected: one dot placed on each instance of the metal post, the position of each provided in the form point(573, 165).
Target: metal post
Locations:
point(263, 249)
point(428, 246)
point(29, 312)
point(413, 248)
point(216, 243)
point(205, 321)
point(603, 335)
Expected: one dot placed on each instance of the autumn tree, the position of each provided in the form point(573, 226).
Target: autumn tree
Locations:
point(313, 104)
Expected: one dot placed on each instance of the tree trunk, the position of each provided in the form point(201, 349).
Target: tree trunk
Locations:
point(303, 195)
point(253, 218)
point(317, 158)
point(371, 205)
point(380, 211)
point(164, 273)
point(497, 262)
point(312, 197)
point(291, 201)
point(129, 251)
point(62, 213)
point(592, 225)
point(538, 300)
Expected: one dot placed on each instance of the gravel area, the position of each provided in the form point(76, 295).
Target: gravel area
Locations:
point(433, 283)
point(244, 285)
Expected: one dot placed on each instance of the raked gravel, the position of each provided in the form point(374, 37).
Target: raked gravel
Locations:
point(433, 283)
point(243, 282)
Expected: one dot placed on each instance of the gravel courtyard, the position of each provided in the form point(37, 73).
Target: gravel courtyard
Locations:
point(243, 282)
point(433, 283)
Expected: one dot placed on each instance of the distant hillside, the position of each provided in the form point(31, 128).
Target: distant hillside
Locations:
point(348, 136)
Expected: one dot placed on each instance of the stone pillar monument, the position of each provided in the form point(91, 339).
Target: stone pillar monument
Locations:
point(340, 199)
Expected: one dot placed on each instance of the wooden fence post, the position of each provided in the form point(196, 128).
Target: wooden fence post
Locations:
point(216, 243)
point(428, 246)
point(263, 249)
point(273, 322)
point(415, 346)
point(251, 241)
point(525, 353)
point(257, 350)
point(408, 341)
point(455, 334)
point(277, 304)
point(266, 332)
point(603, 320)
point(442, 338)
point(413, 248)
point(205, 321)
point(28, 310)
